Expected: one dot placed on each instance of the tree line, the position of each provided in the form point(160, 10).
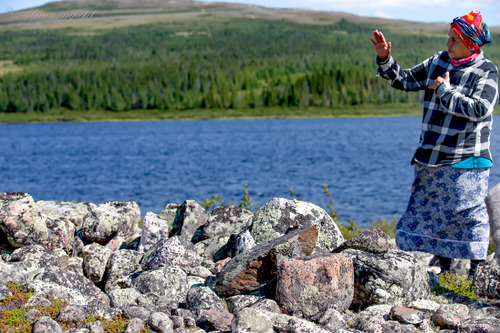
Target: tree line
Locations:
point(206, 63)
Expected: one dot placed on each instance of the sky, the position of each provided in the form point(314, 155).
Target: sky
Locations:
point(412, 10)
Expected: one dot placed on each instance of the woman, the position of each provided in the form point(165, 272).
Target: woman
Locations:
point(446, 213)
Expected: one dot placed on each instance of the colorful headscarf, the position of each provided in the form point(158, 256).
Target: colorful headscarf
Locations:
point(472, 30)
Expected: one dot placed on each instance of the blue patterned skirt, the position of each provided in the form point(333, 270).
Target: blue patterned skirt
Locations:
point(446, 214)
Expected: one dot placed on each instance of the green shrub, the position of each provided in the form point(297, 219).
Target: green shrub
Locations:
point(454, 284)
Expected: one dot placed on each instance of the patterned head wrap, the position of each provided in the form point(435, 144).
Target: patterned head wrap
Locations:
point(472, 30)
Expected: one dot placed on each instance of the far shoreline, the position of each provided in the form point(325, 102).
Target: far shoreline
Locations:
point(355, 111)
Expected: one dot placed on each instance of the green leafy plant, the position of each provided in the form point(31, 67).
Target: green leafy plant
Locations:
point(454, 284)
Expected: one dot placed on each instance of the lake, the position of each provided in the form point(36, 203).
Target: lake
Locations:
point(365, 162)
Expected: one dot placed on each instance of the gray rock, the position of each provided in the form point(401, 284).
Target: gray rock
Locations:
point(95, 327)
point(111, 219)
point(493, 206)
point(176, 250)
point(135, 325)
point(63, 219)
point(160, 322)
point(394, 278)
point(208, 249)
point(482, 325)
point(20, 220)
point(10, 272)
point(136, 311)
point(252, 320)
point(120, 298)
point(201, 299)
point(34, 259)
point(372, 241)
point(46, 325)
point(487, 282)
point(238, 302)
point(65, 285)
point(278, 216)
point(168, 214)
point(450, 315)
point(227, 221)
point(169, 283)
point(95, 259)
point(123, 264)
point(154, 229)
point(190, 218)
point(72, 314)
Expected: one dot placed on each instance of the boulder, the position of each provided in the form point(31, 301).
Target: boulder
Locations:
point(493, 206)
point(257, 267)
point(190, 218)
point(371, 241)
point(21, 221)
point(34, 259)
point(111, 219)
point(95, 260)
point(176, 250)
point(278, 216)
point(154, 229)
point(487, 281)
point(394, 278)
point(122, 266)
point(309, 287)
point(168, 283)
point(226, 221)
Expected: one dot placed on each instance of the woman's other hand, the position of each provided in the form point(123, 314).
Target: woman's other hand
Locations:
point(381, 46)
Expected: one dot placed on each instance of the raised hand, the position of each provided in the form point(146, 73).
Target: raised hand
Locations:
point(381, 46)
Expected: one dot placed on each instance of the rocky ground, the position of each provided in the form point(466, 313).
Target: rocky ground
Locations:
point(284, 268)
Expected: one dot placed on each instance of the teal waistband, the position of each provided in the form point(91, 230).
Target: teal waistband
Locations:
point(473, 163)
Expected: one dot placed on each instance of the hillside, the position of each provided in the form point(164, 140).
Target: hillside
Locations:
point(102, 14)
point(96, 59)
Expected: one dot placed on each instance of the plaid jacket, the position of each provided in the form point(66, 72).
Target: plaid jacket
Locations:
point(457, 117)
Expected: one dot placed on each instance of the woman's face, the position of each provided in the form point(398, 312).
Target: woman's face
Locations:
point(456, 47)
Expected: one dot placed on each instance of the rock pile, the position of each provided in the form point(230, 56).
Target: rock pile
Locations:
point(284, 268)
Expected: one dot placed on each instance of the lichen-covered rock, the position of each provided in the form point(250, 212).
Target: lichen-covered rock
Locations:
point(209, 248)
point(309, 287)
point(395, 278)
point(95, 260)
point(201, 299)
point(160, 322)
point(487, 282)
point(451, 315)
point(122, 264)
point(482, 325)
point(72, 314)
point(154, 229)
point(20, 220)
point(279, 215)
point(227, 221)
point(257, 267)
point(190, 217)
point(34, 259)
point(69, 211)
point(9, 272)
point(46, 324)
point(111, 219)
point(66, 285)
point(176, 250)
point(169, 283)
point(371, 240)
point(216, 319)
point(493, 206)
point(123, 297)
